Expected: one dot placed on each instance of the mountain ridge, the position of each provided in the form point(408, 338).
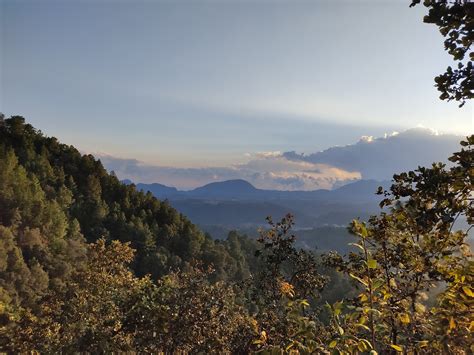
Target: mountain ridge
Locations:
point(239, 189)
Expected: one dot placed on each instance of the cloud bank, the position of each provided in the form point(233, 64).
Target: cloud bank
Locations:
point(380, 158)
point(272, 171)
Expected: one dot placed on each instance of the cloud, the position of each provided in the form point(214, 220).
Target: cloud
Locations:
point(280, 173)
point(367, 139)
point(380, 158)
point(268, 154)
point(267, 171)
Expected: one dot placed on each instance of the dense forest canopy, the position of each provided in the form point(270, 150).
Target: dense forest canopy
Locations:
point(46, 183)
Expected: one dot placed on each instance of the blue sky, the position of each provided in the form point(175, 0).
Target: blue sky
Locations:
point(204, 83)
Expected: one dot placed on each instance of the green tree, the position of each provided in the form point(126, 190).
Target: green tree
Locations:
point(88, 314)
point(409, 251)
point(455, 19)
point(287, 277)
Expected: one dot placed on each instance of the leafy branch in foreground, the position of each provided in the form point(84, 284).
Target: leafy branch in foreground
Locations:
point(408, 253)
point(455, 19)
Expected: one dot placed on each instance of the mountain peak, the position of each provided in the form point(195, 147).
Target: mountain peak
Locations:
point(228, 187)
point(236, 184)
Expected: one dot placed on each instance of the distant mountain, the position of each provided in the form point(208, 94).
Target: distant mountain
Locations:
point(229, 188)
point(158, 189)
point(363, 190)
point(237, 203)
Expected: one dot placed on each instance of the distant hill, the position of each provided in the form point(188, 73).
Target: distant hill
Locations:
point(229, 188)
point(363, 190)
point(158, 189)
point(237, 203)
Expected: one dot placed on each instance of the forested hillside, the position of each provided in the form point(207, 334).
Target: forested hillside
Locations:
point(88, 264)
point(53, 200)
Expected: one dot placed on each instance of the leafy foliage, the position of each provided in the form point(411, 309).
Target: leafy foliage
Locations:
point(288, 276)
point(407, 253)
point(455, 20)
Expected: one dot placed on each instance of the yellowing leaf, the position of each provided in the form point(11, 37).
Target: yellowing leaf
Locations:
point(304, 303)
point(358, 279)
point(361, 346)
point(357, 245)
point(333, 344)
point(362, 326)
point(396, 347)
point(452, 323)
point(404, 318)
point(372, 264)
point(423, 343)
point(467, 290)
point(420, 308)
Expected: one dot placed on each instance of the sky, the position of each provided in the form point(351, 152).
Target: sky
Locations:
point(195, 84)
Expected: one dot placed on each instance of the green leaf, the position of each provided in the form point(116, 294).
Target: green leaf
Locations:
point(377, 284)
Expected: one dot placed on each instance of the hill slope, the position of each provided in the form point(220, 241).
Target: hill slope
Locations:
point(53, 200)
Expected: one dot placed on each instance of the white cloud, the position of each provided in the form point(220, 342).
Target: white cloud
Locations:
point(388, 155)
point(266, 171)
point(268, 154)
point(367, 139)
